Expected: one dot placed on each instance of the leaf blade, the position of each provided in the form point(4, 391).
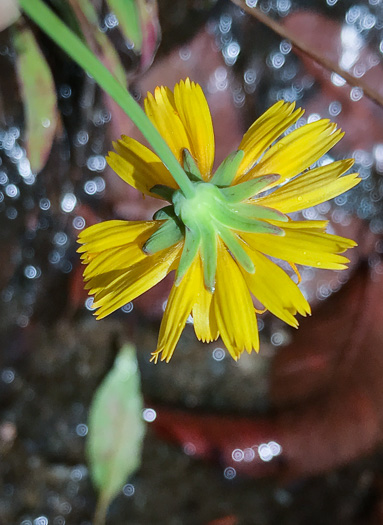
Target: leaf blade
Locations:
point(39, 95)
point(116, 426)
point(140, 25)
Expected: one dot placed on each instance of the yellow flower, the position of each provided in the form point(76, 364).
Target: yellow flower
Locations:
point(219, 239)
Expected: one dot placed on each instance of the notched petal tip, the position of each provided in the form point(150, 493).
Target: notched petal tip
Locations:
point(154, 357)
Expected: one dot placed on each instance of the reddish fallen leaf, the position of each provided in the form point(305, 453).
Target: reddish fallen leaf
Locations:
point(361, 119)
point(138, 21)
point(330, 418)
point(227, 520)
point(39, 97)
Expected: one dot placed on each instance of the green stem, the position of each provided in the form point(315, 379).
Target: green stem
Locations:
point(99, 517)
point(40, 13)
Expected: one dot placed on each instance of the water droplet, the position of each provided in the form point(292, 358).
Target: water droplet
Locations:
point(229, 473)
point(68, 202)
point(356, 94)
point(12, 191)
point(127, 308)
point(149, 415)
point(219, 354)
point(238, 455)
point(78, 223)
point(81, 430)
point(45, 204)
point(128, 490)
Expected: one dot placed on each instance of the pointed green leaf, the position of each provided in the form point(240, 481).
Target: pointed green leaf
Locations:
point(189, 251)
point(53, 26)
point(190, 166)
point(254, 211)
point(245, 190)
point(228, 168)
point(138, 21)
point(234, 221)
point(116, 427)
point(167, 212)
point(168, 234)
point(234, 245)
point(128, 16)
point(97, 40)
point(39, 95)
point(65, 11)
point(209, 255)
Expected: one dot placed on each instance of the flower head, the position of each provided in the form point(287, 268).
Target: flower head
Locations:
point(218, 238)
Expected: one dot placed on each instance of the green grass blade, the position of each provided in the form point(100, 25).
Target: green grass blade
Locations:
point(40, 13)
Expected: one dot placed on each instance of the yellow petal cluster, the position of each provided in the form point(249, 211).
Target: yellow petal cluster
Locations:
point(118, 270)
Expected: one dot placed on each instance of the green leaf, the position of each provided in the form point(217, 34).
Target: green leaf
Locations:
point(168, 234)
point(189, 251)
point(208, 255)
point(116, 428)
point(127, 13)
point(236, 221)
point(234, 244)
point(255, 211)
point(245, 190)
point(65, 11)
point(190, 166)
point(138, 20)
point(100, 44)
point(41, 15)
point(39, 96)
point(227, 169)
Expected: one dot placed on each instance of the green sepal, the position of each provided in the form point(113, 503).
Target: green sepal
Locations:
point(168, 234)
point(163, 191)
point(227, 169)
point(249, 188)
point(209, 255)
point(254, 211)
point(234, 244)
point(190, 166)
point(190, 249)
point(232, 220)
point(164, 213)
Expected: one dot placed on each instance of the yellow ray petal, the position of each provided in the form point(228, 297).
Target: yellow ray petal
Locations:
point(320, 226)
point(114, 259)
point(111, 234)
point(205, 323)
point(195, 115)
point(163, 113)
point(297, 151)
point(264, 131)
point(274, 289)
point(312, 188)
point(178, 308)
point(233, 307)
point(114, 282)
point(138, 166)
point(303, 247)
point(115, 288)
